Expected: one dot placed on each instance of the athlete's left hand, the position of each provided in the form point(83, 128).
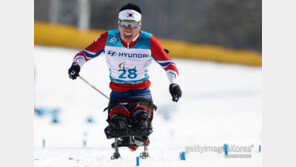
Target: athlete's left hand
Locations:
point(175, 91)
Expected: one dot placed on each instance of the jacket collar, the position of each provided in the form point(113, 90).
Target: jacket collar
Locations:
point(130, 44)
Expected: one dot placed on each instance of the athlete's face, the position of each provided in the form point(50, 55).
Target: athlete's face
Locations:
point(129, 33)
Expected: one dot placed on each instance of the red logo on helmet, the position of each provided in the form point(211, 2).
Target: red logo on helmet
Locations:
point(130, 15)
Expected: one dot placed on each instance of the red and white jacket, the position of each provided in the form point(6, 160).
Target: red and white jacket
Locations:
point(128, 62)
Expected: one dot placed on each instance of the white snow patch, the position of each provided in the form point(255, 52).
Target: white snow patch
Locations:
point(220, 104)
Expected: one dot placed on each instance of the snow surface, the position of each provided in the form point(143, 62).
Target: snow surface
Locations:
point(220, 104)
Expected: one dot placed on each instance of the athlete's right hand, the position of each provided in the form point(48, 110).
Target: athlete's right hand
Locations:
point(74, 71)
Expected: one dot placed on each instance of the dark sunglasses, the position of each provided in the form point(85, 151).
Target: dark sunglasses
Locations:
point(126, 23)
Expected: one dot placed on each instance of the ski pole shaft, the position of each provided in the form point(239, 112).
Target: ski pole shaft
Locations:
point(93, 87)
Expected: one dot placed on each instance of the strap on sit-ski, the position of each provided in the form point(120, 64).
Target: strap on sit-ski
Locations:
point(132, 102)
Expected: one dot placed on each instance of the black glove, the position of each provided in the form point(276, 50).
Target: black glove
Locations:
point(74, 71)
point(175, 91)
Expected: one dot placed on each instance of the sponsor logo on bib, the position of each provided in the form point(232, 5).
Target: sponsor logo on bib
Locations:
point(112, 40)
point(111, 53)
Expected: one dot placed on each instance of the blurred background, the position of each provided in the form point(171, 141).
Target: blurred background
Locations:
point(232, 24)
point(216, 45)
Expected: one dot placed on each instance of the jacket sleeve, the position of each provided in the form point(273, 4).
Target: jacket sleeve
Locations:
point(163, 59)
point(92, 51)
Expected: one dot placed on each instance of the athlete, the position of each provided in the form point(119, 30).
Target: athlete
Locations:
point(129, 52)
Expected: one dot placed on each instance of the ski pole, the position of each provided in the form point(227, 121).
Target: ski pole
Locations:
point(93, 87)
